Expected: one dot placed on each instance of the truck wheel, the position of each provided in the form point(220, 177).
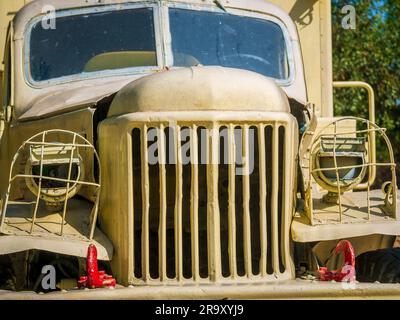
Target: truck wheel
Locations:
point(381, 265)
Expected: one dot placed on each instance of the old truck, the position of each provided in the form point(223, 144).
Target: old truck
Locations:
point(194, 143)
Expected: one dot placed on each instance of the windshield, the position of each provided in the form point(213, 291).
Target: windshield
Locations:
point(113, 40)
point(210, 38)
point(87, 43)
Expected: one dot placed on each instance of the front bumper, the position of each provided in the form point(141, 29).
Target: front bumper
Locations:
point(293, 289)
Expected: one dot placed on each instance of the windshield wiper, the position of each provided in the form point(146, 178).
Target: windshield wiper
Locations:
point(220, 5)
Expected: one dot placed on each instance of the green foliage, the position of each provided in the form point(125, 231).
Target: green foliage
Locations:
point(370, 53)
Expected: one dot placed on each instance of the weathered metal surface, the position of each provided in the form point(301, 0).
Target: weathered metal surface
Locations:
point(200, 88)
point(28, 95)
point(46, 149)
point(68, 100)
point(355, 219)
point(79, 121)
point(7, 11)
point(46, 235)
point(342, 212)
point(117, 200)
point(50, 101)
point(313, 22)
point(294, 289)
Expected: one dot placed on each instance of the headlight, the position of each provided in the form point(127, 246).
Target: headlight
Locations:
point(347, 171)
point(62, 164)
point(47, 171)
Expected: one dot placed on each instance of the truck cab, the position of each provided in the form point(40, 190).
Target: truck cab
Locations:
point(192, 142)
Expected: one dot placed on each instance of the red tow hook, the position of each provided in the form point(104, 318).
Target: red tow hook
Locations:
point(348, 271)
point(95, 278)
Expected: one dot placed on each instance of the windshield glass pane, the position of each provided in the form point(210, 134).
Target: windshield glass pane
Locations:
point(93, 42)
point(210, 38)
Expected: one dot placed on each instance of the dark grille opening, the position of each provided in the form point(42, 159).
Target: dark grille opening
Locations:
point(268, 159)
point(282, 174)
point(223, 198)
point(170, 171)
point(239, 205)
point(137, 199)
point(186, 187)
point(154, 196)
point(255, 200)
point(202, 184)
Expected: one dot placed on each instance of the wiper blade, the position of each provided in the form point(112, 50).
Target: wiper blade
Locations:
point(220, 5)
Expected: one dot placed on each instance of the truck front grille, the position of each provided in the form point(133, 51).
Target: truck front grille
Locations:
point(203, 210)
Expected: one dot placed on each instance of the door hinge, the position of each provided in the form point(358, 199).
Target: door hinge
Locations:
point(6, 114)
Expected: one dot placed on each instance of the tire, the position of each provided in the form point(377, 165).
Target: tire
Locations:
point(381, 265)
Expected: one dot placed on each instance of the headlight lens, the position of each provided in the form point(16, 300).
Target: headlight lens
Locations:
point(54, 172)
point(349, 169)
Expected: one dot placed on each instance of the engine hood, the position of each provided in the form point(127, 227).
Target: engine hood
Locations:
point(200, 88)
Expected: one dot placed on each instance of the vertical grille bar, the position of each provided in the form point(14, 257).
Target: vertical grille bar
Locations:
point(194, 203)
point(274, 198)
point(162, 229)
point(178, 205)
point(246, 201)
point(213, 222)
point(145, 207)
point(263, 198)
point(232, 202)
